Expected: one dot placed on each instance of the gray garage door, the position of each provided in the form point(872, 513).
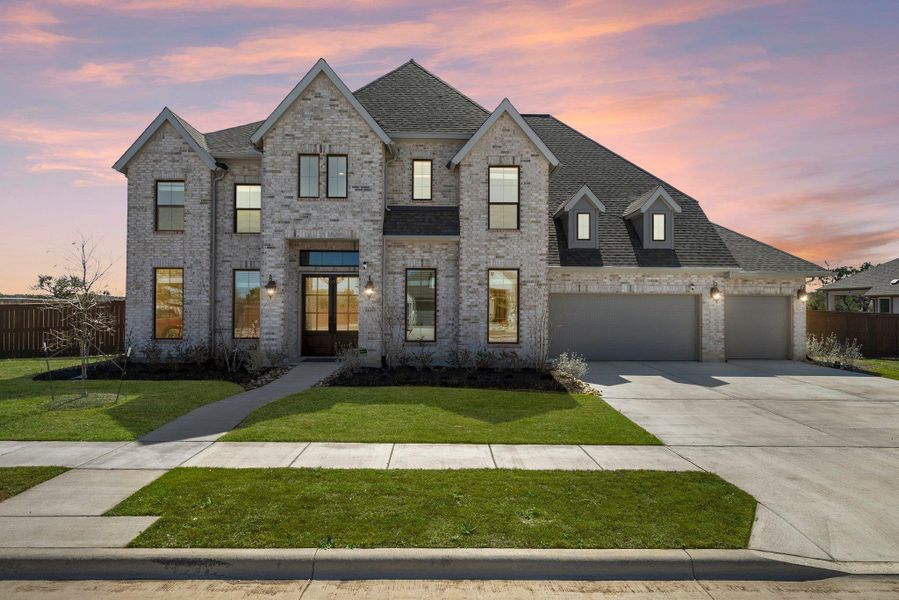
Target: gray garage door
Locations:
point(756, 327)
point(624, 327)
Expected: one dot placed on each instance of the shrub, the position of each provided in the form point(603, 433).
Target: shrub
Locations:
point(832, 351)
point(256, 360)
point(484, 359)
point(459, 358)
point(570, 366)
point(348, 359)
point(424, 359)
point(152, 352)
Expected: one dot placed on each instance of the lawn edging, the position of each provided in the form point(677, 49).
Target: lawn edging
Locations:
point(403, 563)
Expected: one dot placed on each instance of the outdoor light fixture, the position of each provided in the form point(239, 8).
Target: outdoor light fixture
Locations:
point(802, 295)
point(271, 287)
point(369, 287)
point(692, 287)
point(715, 293)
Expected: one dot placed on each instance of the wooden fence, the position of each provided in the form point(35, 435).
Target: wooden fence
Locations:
point(25, 327)
point(878, 334)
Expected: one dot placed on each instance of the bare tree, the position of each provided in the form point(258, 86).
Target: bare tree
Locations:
point(81, 300)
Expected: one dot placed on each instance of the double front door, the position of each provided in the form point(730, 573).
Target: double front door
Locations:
point(330, 318)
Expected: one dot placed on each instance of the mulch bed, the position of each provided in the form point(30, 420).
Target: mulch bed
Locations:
point(164, 372)
point(525, 379)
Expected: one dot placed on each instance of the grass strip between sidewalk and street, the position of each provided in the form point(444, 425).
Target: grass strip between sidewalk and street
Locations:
point(15, 480)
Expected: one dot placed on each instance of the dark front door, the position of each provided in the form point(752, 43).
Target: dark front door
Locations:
point(330, 313)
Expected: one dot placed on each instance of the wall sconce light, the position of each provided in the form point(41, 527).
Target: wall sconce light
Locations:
point(802, 295)
point(692, 288)
point(369, 287)
point(271, 287)
point(715, 293)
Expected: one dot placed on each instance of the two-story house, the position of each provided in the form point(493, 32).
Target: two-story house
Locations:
point(406, 215)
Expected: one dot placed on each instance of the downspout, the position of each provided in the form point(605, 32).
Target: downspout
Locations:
point(391, 150)
point(221, 168)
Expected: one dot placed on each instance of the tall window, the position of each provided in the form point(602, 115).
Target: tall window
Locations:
point(169, 304)
point(169, 206)
point(247, 205)
point(347, 295)
point(883, 305)
point(309, 176)
point(246, 304)
point(503, 198)
point(658, 227)
point(336, 176)
point(502, 306)
point(421, 305)
point(421, 179)
point(583, 226)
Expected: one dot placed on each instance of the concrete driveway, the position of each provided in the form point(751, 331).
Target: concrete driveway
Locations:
point(818, 447)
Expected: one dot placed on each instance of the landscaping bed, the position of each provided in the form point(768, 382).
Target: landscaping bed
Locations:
point(163, 372)
point(15, 480)
point(299, 508)
point(504, 379)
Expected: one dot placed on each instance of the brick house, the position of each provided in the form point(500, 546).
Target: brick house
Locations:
point(406, 217)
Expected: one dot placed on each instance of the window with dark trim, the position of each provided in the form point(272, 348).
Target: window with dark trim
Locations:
point(168, 303)
point(337, 175)
point(308, 173)
point(884, 305)
point(421, 305)
point(346, 294)
point(329, 258)
point(502, 198)
point(583, 226)
point(245, 309)
point(421, 179)
point(169, 206)
point(502, 306)
point(247, 208)
point(659, 225)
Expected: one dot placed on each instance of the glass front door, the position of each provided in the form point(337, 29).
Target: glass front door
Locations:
point(330, 317)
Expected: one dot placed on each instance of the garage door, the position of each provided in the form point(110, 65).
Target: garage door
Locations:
point(624, 327)
point(757, 327)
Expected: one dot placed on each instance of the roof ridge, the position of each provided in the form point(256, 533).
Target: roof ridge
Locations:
point(379, 78)
point(412, 61)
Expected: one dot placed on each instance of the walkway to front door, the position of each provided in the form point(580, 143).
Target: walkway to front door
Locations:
point(330, 314)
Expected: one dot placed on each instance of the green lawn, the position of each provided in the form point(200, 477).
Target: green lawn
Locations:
point(437, 414)
point(885, 367)
point(15, 480)
point(28, 413)
point(298, 508)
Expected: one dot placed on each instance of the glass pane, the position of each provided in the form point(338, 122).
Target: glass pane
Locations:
point(248, 221)
point(502, 306)
point(316, 303)
point(503, 184)
point(309, 176)
point(248, 196)
point(246, 304)
point(503, 216)
point(329, 258)
point(170, 218)
point(170, 193)
point(658, 227)
point(169, 313)
point(421, 305)
point(421, 180)
point(337, 174)
point(583, 226)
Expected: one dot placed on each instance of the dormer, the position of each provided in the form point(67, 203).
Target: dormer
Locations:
point(653, 217)
point(579, 217)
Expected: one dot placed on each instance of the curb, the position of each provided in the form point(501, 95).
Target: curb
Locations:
point(400, 563)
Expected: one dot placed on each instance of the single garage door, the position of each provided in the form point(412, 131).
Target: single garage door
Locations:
point(624, 327)
point(757, 327)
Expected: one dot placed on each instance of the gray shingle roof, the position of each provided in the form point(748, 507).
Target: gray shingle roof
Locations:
point(753, 255)
point(876, 280)
point(409, 98)
point(421, 220)
point(191, 130)
point(232, 141)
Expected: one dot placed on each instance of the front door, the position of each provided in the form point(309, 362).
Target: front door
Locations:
point(330, 313)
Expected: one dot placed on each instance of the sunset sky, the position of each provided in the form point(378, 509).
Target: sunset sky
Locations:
point(780, 117)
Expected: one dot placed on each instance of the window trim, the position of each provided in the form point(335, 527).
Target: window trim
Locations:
point(156, 183)
point(406, 306)
point(517, 204)
point(155, 269)
point(517, 306)
point(234, 273)
point(577, 225)
point(328, 158)
point(430, 179)
point(259, 210)
point(652, 228)
point(318, 169)
point(889, 305)
point(308, 250)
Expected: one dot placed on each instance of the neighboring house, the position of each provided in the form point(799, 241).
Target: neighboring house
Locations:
point(405, 216)
point(880, 284)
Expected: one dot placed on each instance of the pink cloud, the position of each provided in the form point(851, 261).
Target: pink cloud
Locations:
point(25, 25)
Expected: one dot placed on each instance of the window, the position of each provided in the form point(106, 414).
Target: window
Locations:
point(421, 305)
point(347, 293)
point(246, 304)
point(309, 176)
point(658, 227)
point(316, 303)
point(503, 198)
point(583, 226)
point(169, 206)
point(329, 258)
point(502, 306)
point(421, 179)
point(169, 304)
point(247, 205)
point(883, 305)
point(336, 176)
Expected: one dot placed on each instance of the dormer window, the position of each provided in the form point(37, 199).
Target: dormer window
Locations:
point(659, 224)
point(579, 218)
point(583, 226)
point(652, 215)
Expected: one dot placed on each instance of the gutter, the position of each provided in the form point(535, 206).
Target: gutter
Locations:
point(394, 155)
point(213, 246)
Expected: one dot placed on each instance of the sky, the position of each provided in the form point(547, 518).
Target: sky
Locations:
point(780, 117)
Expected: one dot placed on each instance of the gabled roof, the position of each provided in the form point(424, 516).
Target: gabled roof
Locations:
point(194, 138)
point(756, 256)
point(584, 192)
point(233, 141)
point(505, 108)
point(646, 200)
point(320, 67)
point(410, 99)
point(878, 281)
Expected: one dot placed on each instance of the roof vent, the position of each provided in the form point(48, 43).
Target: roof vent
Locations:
point(894, 282)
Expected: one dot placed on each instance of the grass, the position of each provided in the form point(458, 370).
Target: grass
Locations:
point(885, 367)
point(27, 411)
point(437, 414)
point(15, 480)
point(298, 508)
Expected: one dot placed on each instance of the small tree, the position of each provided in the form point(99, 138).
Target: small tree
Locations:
point(81, 301)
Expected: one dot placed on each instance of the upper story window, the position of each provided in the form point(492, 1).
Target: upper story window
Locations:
point(337, 175)
point(421, 179)
point(308, 187)
point(659, 226)
point(247, 208)
point(503, 198)
point(168, 293)
point(421, 305)
point(169, 206)
point(583, 226)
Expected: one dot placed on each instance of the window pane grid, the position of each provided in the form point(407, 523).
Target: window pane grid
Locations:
point(169, 304)
point(503, 198)
point(316, 304)
point(421, 305)
point(421, 179)
point(337, 176)
point(502, 306)
point(347, 308)
point(170, 206)
point(246, 304)
point(309, 176)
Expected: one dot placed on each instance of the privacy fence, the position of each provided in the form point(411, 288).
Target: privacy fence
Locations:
point(878, 334)
point(25, 327)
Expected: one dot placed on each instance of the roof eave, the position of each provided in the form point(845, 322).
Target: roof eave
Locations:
point(165, 116)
